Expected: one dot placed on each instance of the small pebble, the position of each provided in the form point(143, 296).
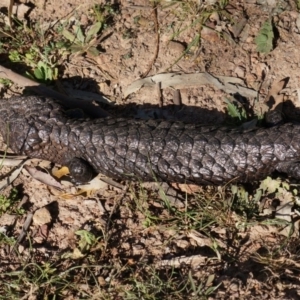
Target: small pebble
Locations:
point(42, 216)
point(176, 47)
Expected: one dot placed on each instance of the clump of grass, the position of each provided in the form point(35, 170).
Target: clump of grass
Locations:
point(7, 204)
point(43, 48)
point(199, 14)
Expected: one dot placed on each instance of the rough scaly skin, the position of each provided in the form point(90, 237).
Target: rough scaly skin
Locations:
point(148, 150)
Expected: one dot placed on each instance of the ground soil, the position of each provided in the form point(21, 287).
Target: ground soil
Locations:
point(139, 42)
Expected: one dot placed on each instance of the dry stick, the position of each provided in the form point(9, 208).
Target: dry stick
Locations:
point(158, 92)
point(10, 8)
point(176, 97)
point(23, 233)
point(157, 43)
point(87, 106)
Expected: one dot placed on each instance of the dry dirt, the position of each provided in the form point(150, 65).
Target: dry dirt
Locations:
point(130, 222)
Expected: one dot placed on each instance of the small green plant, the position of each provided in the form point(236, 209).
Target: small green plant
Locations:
point(87, 240)
point(248, 204)
point(265, 38)
point(6, 240)
point(236, 112)
point(242, 202)
point(7, 202)
point(86, 41)
point(44, 72)
point(5, 82)
point(83, 42)
point(202, 289)
point(30, 47)
point(4, 204)
point(35, 47)
point(104, 13)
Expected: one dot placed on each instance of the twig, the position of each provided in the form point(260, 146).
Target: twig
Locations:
point(177, 97)
point(159, 95)
point(9, 14)
point(157, 43)
point(24, 230)
point(113, 183)
point(87, 106)
point(116, 203)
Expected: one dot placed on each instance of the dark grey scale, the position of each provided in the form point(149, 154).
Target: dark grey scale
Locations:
point(207, 161)
point(207, 173)
point(64, 134)
point(231, 169)
point(184, 158)
point(174, 169)
point(218, 170)
point(163, 167)
point(227, 144)
point(223, 158)
point(185, 171)
point(195, 165)
point(110, 153)
point(154, 157)
point(128, 167)
point(73, 141)
point(267, 152)
point(110, 140)
point(200, 144)
point(141, 161)
point(55, 135)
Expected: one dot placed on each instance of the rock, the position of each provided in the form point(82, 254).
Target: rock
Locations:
point(176, 48)
point(42, 216)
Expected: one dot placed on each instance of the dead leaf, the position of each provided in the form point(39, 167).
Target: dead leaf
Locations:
point(274, 97)
point(11, 176)
point(59, 173)
point(228, 84)
point(44, 231)
point(11, 161)
point(43, 177)
point(189, 189)
point(77, 254)
point(238, 27)
point(94, 185)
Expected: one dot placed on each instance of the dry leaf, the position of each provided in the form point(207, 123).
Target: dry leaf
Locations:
point(11, 176)
point(43, 177)
point(59, 173)
point(189, 189)
point(274, 96)
point(228, 84)
point(94, 185)
point(77, 254)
